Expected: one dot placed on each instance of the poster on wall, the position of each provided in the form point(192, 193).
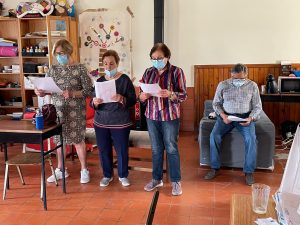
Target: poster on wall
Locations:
point(102, 30)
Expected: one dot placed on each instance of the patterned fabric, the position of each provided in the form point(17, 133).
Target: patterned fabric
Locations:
point(237, 100)
point(71, 111)
point(173, 79)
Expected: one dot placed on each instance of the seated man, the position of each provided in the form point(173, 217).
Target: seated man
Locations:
point(237, 96)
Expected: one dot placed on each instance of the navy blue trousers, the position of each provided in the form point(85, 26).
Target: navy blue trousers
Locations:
point(119, 138)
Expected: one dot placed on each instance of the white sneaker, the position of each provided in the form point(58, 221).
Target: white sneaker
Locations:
point(84, 176)
point(105, 181)
point(124, 181)
point(176, 188)
point(153, 184)
point(58, 174)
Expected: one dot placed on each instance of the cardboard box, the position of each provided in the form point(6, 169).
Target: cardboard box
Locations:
point(15, 68)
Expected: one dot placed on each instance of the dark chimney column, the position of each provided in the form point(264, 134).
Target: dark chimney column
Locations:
point(158, 21)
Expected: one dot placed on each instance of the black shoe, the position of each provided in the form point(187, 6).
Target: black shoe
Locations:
point(249, 179)
point(211, 174)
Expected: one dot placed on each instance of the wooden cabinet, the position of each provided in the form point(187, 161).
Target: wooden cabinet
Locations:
point(40, 33)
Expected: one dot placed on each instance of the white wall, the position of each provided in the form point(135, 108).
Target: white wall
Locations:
point(212, 31)
point(231, 31)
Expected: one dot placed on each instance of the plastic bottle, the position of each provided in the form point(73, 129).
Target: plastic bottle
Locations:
point(39, 120)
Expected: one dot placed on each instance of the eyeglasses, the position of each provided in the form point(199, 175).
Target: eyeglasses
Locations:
point(157, 58)
point(60, 53)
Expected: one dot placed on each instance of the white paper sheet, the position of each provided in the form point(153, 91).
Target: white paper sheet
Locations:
point(266, 221)
point(290, 204)
point(236, 119)
point(106, 90)
point(47, 84)
point(152, 89)
point(290, 182)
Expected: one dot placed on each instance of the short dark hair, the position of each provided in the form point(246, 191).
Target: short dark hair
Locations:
point(239, 68)
point(112, 53)
point(161, 47)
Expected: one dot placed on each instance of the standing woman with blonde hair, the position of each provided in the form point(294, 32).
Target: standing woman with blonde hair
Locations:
point(73, 79)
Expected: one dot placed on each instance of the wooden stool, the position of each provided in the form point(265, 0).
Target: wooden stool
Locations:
point(25, 159)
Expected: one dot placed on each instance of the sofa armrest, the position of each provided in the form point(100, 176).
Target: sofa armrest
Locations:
point(207, 108)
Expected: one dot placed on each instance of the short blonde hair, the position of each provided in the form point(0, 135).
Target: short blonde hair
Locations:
point(65, 45)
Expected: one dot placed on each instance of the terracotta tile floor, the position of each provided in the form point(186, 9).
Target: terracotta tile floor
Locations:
point(202, 202)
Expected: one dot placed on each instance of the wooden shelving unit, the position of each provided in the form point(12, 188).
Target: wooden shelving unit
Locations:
point(10, 89)
point(16, 29)
point(9, 57)
point(10, 30)
point(11, 107)
point(35, 57)
point(10, 74)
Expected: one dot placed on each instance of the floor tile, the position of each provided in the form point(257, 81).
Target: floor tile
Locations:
point(202, 202)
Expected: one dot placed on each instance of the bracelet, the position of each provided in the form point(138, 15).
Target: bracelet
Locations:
point(172, 95)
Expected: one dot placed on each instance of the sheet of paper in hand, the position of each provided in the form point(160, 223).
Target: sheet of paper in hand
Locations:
point(236, 119)
point(47, 84)
point(106, 90)
point(152, 89)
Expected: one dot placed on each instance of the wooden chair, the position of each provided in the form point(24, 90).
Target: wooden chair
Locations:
point(25, 159)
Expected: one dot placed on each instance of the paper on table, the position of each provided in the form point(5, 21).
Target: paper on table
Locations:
point(106, 90)
point(47, 84)
point(236, 119)
point(152, 89)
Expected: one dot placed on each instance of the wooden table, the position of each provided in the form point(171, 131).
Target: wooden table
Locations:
point(280, 97)
point(23, 131)
point(241, 212)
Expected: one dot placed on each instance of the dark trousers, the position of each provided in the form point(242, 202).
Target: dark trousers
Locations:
point(220, 130)
point(106, 138)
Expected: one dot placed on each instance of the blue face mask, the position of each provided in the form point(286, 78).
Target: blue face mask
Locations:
point(238, 82)
point(158, 63)
point(111, 73)
point(62, 59)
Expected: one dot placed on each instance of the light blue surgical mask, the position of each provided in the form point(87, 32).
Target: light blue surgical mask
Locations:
point(159, 63)
point(238, 82)
point(111, 73)
point(62, 59)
